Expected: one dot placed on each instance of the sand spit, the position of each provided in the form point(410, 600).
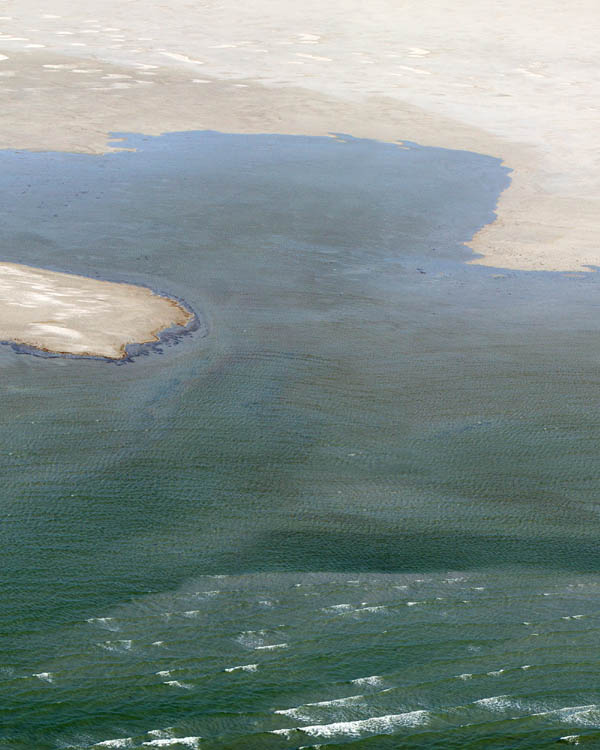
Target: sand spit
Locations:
point(68, 314)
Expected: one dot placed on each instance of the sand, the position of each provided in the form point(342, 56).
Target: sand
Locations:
point(513, 81)
point(70, 314)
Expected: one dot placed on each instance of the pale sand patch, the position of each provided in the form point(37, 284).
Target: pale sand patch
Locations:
point(514, 80)
point(70, 314)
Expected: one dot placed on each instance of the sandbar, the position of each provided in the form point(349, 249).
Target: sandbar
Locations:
point(70, 314)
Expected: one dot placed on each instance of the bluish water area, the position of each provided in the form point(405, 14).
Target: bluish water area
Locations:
point(358, 506)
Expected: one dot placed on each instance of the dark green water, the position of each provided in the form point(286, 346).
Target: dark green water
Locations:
point(358, 507)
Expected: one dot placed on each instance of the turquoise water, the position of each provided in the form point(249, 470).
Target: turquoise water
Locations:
point(357, 507)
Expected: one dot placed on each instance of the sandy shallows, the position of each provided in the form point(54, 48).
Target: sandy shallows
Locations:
point(68, 314)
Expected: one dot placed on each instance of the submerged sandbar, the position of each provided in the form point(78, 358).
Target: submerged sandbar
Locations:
point(65, 313)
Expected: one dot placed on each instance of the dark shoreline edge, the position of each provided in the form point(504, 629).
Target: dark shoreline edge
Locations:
point(169, 337)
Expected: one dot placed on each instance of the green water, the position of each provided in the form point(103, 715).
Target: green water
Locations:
point(356, 507)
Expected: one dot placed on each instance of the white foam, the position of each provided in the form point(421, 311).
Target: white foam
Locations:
point(496, 673)
point(103, 622)
point(251, 638)
point(272, 647)
point(243, 668)
point(373, 725)
point(497, 703)
point(301, 713)
point(164, 673)
point(586, 716)
point(177, 683)
point(121, 742)
point(193, 742)
point(372, 680)
point(122, 645)
point(45, 676)
point(572, 739)
point(166, 733)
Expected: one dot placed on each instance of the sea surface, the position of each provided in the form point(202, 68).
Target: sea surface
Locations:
point(357, 507)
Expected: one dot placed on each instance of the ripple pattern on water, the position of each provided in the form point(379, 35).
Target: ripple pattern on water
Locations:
point(484, 650)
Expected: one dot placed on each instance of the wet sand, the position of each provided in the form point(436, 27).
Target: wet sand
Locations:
point(70, 314)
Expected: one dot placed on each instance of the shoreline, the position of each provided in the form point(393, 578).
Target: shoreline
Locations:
point(53, 313)
point(525, 97)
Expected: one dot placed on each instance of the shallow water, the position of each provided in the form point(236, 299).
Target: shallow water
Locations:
point(357, 507)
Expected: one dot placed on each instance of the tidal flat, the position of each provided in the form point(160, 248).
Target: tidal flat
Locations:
point(357, 506)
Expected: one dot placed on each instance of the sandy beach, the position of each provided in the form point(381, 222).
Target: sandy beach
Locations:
point(511, 82)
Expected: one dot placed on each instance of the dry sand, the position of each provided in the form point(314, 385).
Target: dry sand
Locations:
point(499, 77)
point(70, 314)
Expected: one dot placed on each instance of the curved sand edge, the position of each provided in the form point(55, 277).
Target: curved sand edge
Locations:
point(65, 313)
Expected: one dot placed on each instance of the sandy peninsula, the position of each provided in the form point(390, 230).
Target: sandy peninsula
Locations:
point(512, 80)
point(70, 314)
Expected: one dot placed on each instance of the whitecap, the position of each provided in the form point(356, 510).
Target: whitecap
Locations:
point(496, 673)
point(337, 608)
point(272, 647)
point(465, 676)
point(45, 676)
point(120, 742)
point(164, 673)
point(166, 733)
point(300, 712)
point(192, 742)
point(103, 622)
point(374, 679)
point(121, 645)
point(251, 638)
point(572, 739)
point(243, 668)
point(498, 703)
point(373, 725)
point(177, 683)
point(578, 715)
